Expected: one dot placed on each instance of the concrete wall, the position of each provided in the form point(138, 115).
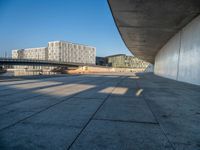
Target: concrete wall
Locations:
point(179, 59)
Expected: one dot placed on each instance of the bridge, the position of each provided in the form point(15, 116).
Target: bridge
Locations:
point(12, 61)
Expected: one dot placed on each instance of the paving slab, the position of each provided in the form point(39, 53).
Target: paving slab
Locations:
point(179, 118)
point(132, 109)
point(26, 87)
point(101, 91)
point(176, 106)
point(124, 91)
point(37, 136)
point(100, 112)
point(18, 111)
point(68, 114)
point(27, 107)
point(57, 90)
point(110, 135)
point(130, 81)
point(54, 128)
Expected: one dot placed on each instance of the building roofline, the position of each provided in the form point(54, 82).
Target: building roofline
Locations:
point(73, 43)
point(34, 48)
point(52, 42)
point(116, 55)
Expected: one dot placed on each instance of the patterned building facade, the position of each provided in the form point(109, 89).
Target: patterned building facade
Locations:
point(123, 61)
point(71, 52)
point(59, 51)
point(18, 53)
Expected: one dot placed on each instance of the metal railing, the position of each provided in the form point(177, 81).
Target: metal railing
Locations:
point(15, 61)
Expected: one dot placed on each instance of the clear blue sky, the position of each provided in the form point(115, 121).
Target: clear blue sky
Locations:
point(32, 23)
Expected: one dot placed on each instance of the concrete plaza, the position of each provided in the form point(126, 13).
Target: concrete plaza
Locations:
point(99, 112)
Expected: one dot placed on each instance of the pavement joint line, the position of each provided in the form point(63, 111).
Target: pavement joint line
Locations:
point(88, 97)
point(126, 121)
point(30, 98)
point(21, 120)
point(91, 118)
point(114, 96)
point(162, 129)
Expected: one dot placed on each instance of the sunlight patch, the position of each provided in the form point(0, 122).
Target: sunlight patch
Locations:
point(65, 90)
point(107, 90)
point(117, 90)
point(35, 85)
point(139, 92)
point(120, 91)
point(134, 77)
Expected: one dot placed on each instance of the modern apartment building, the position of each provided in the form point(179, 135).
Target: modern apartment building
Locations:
point(71, 52)
point(123, 61)
point(59, 51)
point(40, 53)
point(18, 53)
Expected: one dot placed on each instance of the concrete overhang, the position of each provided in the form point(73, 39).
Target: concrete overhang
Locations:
point(146, 25)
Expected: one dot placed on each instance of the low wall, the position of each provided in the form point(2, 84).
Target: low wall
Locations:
point(97, 69)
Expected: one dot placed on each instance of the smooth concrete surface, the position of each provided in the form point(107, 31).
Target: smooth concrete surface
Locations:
point(189, 62)
point(104, 111)
point(147, 25)
point(166, 62)
point(179, 58)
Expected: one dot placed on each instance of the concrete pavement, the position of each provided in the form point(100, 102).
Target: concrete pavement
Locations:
point(99, 112)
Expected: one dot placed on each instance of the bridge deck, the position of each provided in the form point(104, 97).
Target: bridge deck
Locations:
point(13, 61)
point(99, 112)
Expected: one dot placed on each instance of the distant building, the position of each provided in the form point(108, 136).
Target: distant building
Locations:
point(123, 61)
point(40, 53)
point(71, 52)
point(18, 53)
point(101, 61)
point(59, 51)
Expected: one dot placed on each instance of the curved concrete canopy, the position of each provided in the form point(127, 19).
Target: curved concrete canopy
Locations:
point(146, 25)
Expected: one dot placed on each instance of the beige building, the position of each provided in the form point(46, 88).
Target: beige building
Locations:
point(31, 53)
point(18, 53)
point(59, 51)
point(40, 53)
point(123, 61)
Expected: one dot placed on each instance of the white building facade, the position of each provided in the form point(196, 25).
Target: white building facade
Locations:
point(71, 52)
point(18, 53)
point(40, 53)
point(59, 51)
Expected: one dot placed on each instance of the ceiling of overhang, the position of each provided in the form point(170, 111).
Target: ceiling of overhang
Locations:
point(146, 25)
